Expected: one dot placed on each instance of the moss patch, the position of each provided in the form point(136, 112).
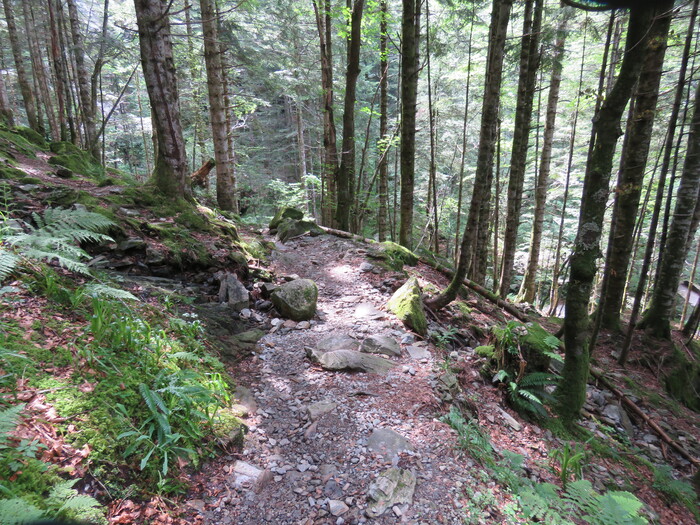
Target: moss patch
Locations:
point(289, 228)
point(407, 305)
point(8, 172)
point(76, 160)
point(285, 213)
point(683, 382)
point(32, 136)
point(394, 255)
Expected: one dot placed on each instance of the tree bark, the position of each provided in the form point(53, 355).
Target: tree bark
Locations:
point(87, 102)
point(410, 31)
point(631, 176)
point(170, 174)
point(527, 288)
point(330, 168)
point(571, 392)
point(487, 141)
point(529, 62)
point(225, 179)
point(657, 320)
point(383, 122)
point(22, 79)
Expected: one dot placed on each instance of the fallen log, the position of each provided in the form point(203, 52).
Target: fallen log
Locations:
point(600, 376)
point(200, 178)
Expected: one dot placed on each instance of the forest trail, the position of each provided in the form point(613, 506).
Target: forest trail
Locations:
point(309, 457)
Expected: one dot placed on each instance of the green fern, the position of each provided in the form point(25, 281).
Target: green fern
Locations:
point(17, 511)
point(55, 236)
point(102, 290)
point(9, 418)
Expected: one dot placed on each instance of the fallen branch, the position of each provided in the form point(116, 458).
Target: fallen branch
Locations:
point(600, 376)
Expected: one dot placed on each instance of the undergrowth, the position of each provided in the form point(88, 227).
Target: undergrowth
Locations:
point(534, 502)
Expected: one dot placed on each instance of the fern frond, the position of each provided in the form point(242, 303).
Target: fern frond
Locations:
point(8, 263)
point(17, 511)
point(9, 418)
point(153, 401)
point(102, 290)
point(538, 380)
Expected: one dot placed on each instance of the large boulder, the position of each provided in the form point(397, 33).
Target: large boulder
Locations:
point(233, 292)
point(394, 255)
point(381, 344)
point(407, 305)
point(285, 213)
point(296, 299)
point(288, 229)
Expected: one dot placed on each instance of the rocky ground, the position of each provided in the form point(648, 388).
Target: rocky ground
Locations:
point(323, 444)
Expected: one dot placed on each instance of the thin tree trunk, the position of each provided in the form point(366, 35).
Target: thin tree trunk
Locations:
point(59, 71)
point(225, 179)
point(410, 31)
point(22, 78)
point(87, 103)
point(463, 157)
point(383, 121)
point(529, 62)
point(658, 318)
point(346, 172)
point(691, 280)
point(571, 392)
point(487, 142)
point(6, 114)
point(432, 170)
point(527, 288)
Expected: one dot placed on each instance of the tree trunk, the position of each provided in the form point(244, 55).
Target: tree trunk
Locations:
point(170, 174)
point(383, 122)
point(22, 78)
point(527, 288)
point(657, 320)
point(410, 31)
point(346, 172)
point(631, 176)
point(87, 103)
point(7, 116)
point(323, 26)
point(571, 392)
point(487, 143)
point(225, 179)
point(529, 62)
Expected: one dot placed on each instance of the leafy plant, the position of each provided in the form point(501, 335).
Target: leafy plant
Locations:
point(571, 458)
point(526, 394)
point(54, 236)
point(445, 337)
point(675, 490)
point(470, 437)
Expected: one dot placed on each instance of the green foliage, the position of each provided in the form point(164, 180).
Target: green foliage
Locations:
point(541, 502)
point(444, 337)
point(470, 437)
point(527, 393)
point(675, 490)
point(55, 236)
point(571, 458)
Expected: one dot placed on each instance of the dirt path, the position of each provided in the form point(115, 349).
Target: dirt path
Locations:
point(297, 471)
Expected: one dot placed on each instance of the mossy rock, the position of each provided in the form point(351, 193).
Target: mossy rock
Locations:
point(683, 382)
point(32, 136)
point(394, 254)
point(407, 305)
point(296, 299)
point(289, 229)
point(78, 161)
point(11, 143)
point(192, 219)
point(226, 227)
point(285, 213)
point(487, 351)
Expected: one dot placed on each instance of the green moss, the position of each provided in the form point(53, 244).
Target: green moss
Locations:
point(76, 160)
point(407, 305)
point(683, 382)
point(485, 351)
point(394, 254)
point(11, 143)
point(8, 172)
point(285, 213)
point(227, 228)
point(290, 228)
point(30, 135)
point(191, 218)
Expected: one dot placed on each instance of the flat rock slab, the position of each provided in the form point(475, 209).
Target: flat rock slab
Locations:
point(368, 311)
point(245, 398)
point(320, 408)
point(417, 352)
point(380, 344)
point(394, 486)
point(247, 476)
point(351, 360)
point(337, 342)
point(388, 443)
